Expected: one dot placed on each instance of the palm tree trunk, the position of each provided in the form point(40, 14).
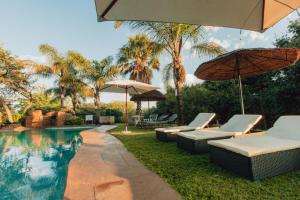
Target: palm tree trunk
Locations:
point(138, 108)
point(62, 96)
point(74, 102)
point(178, 89)
point(97, 105)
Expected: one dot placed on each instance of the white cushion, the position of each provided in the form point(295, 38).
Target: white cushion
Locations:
point(286, 127)
point(206, 134)
point(202, 120)
point(175, 129)
point(241, 123)
point(256, 145)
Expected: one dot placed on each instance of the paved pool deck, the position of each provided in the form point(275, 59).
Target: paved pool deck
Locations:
point(104, 169)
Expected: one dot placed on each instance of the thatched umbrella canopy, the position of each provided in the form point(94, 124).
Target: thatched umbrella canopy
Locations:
point(247, 63)
point(153, 95)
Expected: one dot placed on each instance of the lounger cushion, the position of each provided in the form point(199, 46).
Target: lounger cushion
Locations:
point(286, 127)
point(202, 120)
point(206, 134)
point(241, 123)
point(256, 145)
point(175, 129)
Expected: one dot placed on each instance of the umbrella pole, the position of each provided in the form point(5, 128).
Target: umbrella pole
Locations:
point(241, 95)
point(126, 113)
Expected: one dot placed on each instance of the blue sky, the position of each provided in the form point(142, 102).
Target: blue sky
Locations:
point(72, 25)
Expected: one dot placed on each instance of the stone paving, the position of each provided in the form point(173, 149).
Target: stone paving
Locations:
point(104, 169)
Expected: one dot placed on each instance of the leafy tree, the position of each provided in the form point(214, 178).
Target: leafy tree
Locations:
point(138, 58)
point(173, 37)
point(14, 81)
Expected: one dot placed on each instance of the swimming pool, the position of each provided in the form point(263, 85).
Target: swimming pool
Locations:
point(34, 164)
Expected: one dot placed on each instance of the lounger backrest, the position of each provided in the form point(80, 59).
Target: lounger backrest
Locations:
point(202, 120)
point(287, 127)
point(241, 123)
point(172, 118)
point(162, 117)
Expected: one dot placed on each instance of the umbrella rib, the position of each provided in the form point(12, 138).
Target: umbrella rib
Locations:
point(105, 88)
point(287, 5)
point(108, 8)
point(255, 65)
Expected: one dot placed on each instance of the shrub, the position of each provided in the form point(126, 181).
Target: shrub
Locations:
point(74, 120)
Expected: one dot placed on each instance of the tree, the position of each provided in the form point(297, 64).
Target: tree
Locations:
point(138, 58)
point(62, 67)
point(173, 37)
point(14, 81)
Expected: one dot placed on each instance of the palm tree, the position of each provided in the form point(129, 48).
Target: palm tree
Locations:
point(61, 67)
point(96, 75)
point(173, 37)
point(138, 58)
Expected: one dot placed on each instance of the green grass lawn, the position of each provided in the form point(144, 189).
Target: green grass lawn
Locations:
point(194, 177)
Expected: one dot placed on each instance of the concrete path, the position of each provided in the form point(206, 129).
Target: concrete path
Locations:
point(104, 169)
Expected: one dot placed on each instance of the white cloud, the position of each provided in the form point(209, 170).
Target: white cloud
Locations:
point(224, 43)
point(192, 80)
point(252, 35)
point(38, 59)
point(239, 44)
point(187, 45)
point(213, 28)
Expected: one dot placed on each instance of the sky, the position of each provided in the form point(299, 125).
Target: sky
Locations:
point(72, 25)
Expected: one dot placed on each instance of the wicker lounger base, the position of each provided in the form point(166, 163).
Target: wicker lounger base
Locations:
point(166, 137)
point(195, 146)
point(257, 167)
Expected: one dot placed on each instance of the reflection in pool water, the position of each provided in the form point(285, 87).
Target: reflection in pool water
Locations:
point(33, 165)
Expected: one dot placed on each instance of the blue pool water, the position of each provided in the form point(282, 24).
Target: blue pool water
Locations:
point(34, 164)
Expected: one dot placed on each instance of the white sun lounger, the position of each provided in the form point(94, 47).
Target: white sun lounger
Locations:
point(258, 157)
point(169, 134)
point(196, 141)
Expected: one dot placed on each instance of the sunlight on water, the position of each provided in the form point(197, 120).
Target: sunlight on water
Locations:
point(33, 165)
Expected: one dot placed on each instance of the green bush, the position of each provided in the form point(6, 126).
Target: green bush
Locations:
point(74, 120)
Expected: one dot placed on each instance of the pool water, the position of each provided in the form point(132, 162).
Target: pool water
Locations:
point(34, 164)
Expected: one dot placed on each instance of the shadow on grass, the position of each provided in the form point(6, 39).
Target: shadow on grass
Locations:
point(194, 177)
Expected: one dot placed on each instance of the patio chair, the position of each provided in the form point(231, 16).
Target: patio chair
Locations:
point(196, 141)
point(169, 133)
point(152, 118)
point(169, 120)
point(259, 157)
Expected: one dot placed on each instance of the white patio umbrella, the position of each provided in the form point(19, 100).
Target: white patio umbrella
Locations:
point(255, 15)
point(127, 87)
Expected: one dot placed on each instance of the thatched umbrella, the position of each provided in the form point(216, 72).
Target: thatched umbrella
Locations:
point(247, 63)
point(256, 15)
point(153, 95)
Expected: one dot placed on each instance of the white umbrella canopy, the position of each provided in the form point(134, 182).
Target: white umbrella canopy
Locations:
point(133, 87)
point(255, 15)
point(127, 87)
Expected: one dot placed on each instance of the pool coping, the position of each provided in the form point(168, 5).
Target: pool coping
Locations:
point(103, 169)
